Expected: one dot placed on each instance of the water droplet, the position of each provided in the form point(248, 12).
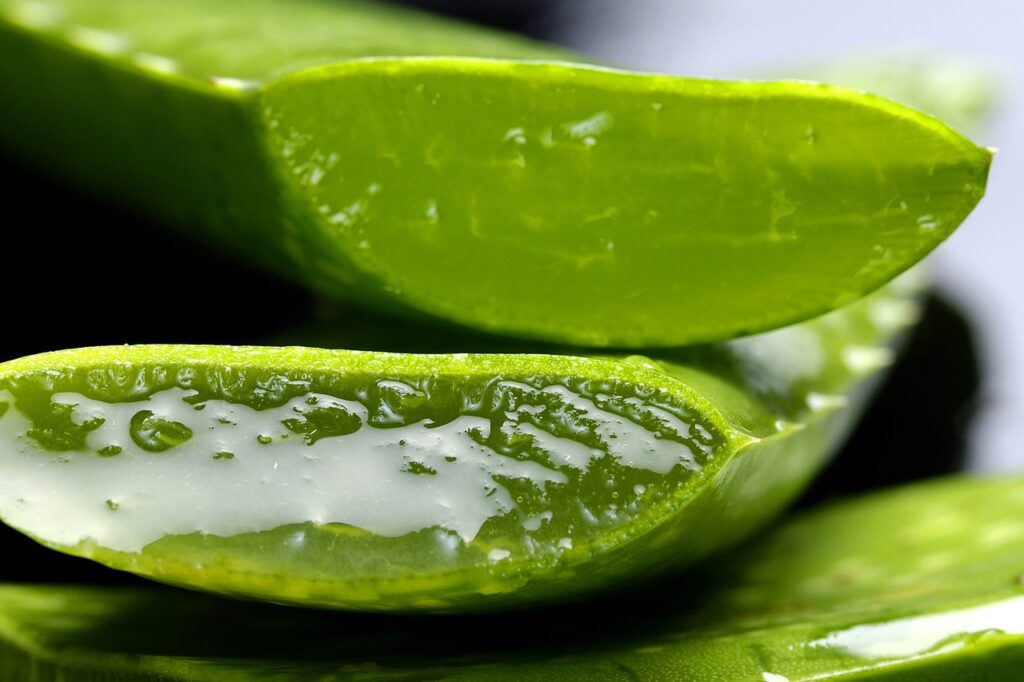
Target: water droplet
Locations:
point(517, 135)
point(348, 215)
point(153, 433)
point(496, 555)
point(589, 127)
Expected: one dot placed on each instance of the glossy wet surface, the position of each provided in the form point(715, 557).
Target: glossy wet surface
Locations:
point(915, 429)
point(192, 450)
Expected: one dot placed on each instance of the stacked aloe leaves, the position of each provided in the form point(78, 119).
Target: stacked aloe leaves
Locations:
point(614, 323)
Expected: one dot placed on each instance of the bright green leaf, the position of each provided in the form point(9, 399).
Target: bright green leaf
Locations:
point(374, 155)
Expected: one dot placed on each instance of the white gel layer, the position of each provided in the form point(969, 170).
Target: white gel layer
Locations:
point(361, 479)
point(918, 635)
point(628, 442)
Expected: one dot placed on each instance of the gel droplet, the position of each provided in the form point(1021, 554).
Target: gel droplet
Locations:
point(153, 433)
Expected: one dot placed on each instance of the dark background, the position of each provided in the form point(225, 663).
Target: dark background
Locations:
point(84, 273)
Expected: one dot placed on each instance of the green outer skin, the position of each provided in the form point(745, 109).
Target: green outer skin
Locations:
point(314, 141)
point(762, 395)
point(931, 549)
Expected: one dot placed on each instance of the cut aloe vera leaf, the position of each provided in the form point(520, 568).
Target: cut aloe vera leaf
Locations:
point(921, 583)
point(442, 482)
point(375, 156)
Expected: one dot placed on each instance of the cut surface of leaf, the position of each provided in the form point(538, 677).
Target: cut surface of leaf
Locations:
point(931, 592)
point(441, 482)
point(434, 169)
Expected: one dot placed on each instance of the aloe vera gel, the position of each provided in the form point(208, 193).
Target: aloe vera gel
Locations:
point(444, 460)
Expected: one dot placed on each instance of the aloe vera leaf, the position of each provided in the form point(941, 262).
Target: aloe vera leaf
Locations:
point(439, 482)
point(919, 583)
point(375, 156)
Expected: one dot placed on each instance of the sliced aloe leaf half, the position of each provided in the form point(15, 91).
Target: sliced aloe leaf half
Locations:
point(443, 482)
